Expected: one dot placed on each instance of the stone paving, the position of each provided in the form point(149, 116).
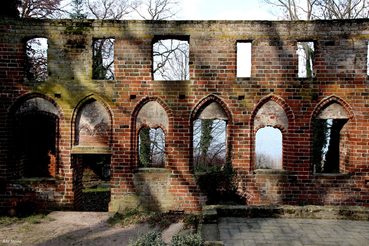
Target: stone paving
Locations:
point(272, 231)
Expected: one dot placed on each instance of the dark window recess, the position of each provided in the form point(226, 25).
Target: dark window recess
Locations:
point(36, 144)
point(326, 144)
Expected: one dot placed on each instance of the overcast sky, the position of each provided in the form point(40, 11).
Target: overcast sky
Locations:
point(225, 10)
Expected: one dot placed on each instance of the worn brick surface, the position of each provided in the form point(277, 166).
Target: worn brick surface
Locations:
point(340, 66)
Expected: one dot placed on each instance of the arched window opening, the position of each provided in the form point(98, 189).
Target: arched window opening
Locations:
point(36, 59)
point(328, 137)
point(210, 139)
point(151, 142)
point(268, 121)
point(268, 148)
point(36, 134)
point(93, 125)
point(153, 123)
point(209, 144)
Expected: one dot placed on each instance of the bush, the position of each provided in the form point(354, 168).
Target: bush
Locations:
point(187, 240)
point(154, 239)
point(149, 239)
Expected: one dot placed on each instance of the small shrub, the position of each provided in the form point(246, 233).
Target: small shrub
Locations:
point(149, 239)
point(187, 240)
point(192, 220)
point(129, 217)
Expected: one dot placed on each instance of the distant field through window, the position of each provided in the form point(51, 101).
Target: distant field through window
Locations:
point(268, 148)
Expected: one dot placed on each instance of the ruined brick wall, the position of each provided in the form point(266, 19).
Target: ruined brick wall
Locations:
point(340, 65)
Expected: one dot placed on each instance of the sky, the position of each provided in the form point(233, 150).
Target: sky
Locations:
point(225, 10)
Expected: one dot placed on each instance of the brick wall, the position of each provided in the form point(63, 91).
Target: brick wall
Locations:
point(340, 66)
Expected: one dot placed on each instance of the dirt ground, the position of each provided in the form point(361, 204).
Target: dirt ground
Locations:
point(71, 228)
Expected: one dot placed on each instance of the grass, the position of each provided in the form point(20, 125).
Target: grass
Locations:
point(31, 219)
point(98, 189)
point(154, 219)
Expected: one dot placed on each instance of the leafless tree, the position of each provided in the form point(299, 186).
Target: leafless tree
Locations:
point(36, 59)
point(343, 9)
point(265, 161)
point(109, 9)
point(209, 144)
point(103, 59)
point(321, 9)
point(151, 147)
point(40, 8)
point(155, 9)
point(171, 59)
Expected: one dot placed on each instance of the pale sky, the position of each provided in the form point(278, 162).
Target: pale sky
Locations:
point(225, 10)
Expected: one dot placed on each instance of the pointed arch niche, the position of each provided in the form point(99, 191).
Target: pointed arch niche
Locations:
point(329, 125)
point(209, 133)
point(91, 154)
point(269, 124)
point(36, 135)
point(93, 124)
point(152, 124)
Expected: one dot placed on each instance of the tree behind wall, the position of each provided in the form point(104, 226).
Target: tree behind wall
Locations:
point(320, 9)
point(78, 11)
point(40, 8)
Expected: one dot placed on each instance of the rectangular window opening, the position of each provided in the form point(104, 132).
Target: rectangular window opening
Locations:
point(243, 59)
point(36, 59)
point(103, 59)
point(171, 59)
point(305, 53)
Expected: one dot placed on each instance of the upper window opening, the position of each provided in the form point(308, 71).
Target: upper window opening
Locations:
point(36, 59)
point(151, 144)
point(243, 59)
point(268, 148)
point(171, 59)
point(103, 59)
point(305, 53)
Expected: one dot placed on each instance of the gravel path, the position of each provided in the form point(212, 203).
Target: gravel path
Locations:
point(71, 228)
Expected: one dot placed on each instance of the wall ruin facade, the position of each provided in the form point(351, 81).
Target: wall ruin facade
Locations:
point(340, 82)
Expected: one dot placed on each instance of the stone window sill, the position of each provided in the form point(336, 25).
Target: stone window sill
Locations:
point(270, 172)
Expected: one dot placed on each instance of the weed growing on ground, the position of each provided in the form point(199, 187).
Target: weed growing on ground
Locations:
point(155, 239)
point(154, 219)
point(31, 219)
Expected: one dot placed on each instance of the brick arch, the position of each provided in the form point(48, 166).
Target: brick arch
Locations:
point(142, 103)
point(290, 117)
point(135, 130)
point(50, 124)
point(345, 147)
point(325, 102)
point(204, 102)
point(22, 99)
point(80, 105)
point(281, 102)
